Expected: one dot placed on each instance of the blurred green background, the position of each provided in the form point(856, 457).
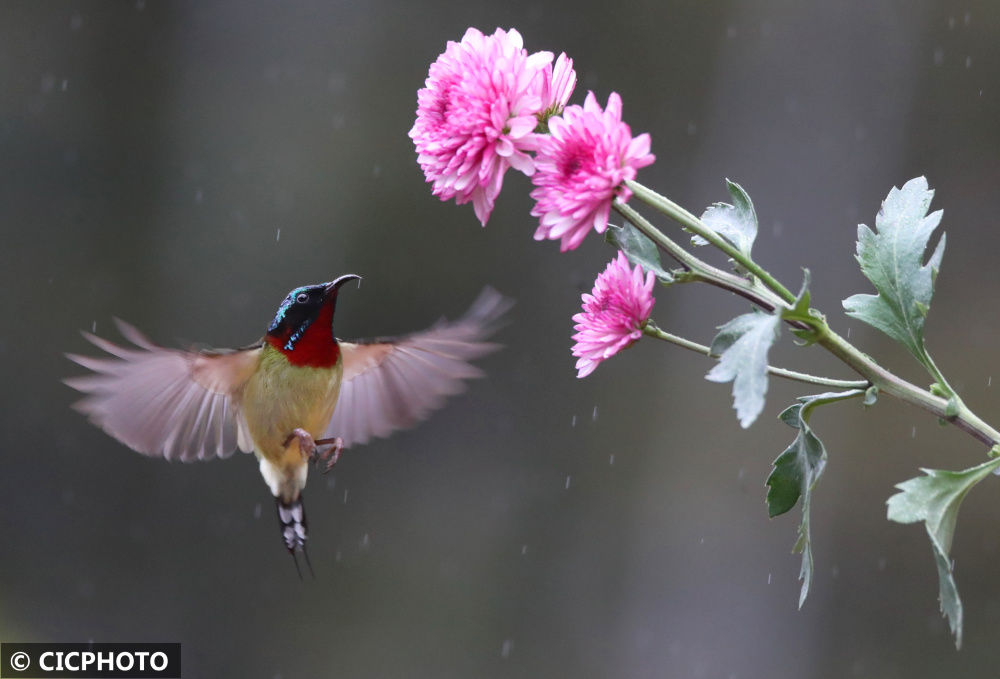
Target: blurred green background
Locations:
point(183, 165)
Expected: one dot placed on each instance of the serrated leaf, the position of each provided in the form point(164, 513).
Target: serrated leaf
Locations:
point(737, 223)
point(893, 260)
point(639, 249)
point(935, 499)
point(796, 472)
point(742, 345)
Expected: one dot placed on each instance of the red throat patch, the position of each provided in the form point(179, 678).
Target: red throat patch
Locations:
point(317, 347)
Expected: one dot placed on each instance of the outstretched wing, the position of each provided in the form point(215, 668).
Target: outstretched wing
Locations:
point(394, 383)
point(164, 402)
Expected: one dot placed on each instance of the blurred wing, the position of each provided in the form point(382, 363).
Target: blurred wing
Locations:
point(393, 384)
point(164, 402)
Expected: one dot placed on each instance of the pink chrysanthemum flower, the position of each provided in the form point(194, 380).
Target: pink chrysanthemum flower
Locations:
point(580, 168)
point(557, 86)
point(613, 315)
point(477, 114)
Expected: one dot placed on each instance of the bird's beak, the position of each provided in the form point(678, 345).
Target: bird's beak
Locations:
point(334, 285)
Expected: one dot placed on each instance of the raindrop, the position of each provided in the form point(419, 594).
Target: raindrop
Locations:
point(506, 647)
point(989, 381)
point(140, 5)
point(730, 31)
point(967, 18)
point(524, 549)
point(951, 23)
point(331, 482)
point(593, 416)
point(376, 171)
point(913, 433)
point(938, 56)
point(701, 541)
point(835, 572)
point(611, 459)
point(740, 474)
point(257, 510)
point(65, 83)
point(338, 556)
point(76, 21)
point(277, 236)
point(848, 332)
point(692, 129)
point(573, 423)
point(568, 478)
point(345, 496)
point(769, 578)
point(882, 562)
point(968, 62)
point(198, 196)
point(48, 83)
point(365, 542)
point(93, 327)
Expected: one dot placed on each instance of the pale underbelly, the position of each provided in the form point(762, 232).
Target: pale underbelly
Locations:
point(277, 401)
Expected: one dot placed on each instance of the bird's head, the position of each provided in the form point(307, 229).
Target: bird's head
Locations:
point(302, 328)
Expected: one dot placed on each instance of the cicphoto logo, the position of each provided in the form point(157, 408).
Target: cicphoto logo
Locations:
point(94, 661)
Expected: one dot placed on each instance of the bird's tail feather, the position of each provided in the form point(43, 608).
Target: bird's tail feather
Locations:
point(294, 529)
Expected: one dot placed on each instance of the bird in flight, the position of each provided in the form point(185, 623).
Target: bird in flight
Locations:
point(297, 395)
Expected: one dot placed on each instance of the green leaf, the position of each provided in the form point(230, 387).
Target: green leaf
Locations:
point(935, 499)
point(893, 260)
point(742, 345)
point(737, 223)
point(801, 313)
point(800, 309)
point(796, 472)
point(639, 249)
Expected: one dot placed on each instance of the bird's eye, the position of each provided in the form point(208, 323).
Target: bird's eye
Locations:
point(302, 297)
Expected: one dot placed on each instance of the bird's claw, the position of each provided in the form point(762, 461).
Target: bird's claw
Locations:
point(310, 447)
point(331, 454)
point(307, 445)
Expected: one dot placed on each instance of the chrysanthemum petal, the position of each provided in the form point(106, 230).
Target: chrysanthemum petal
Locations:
point(613, 315)
point(477, 113)
point(580, 168)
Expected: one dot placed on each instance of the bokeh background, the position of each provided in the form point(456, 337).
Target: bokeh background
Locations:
point(182, 165)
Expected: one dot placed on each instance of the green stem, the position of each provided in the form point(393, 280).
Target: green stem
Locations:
point(652, 330)
point(698, 227)
point(775, 296)
point(890, 384)
point(939, 378)
point(700, 270)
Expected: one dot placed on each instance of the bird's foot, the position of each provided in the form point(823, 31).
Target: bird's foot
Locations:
point(310, 447)
point(331, 454)
point(307, 445)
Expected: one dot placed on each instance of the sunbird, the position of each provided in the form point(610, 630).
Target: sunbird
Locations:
point(298, 394)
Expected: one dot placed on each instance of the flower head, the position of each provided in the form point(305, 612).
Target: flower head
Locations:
point(613, 315)
point(477, 114)
point(557, 86)
point(581, 167)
